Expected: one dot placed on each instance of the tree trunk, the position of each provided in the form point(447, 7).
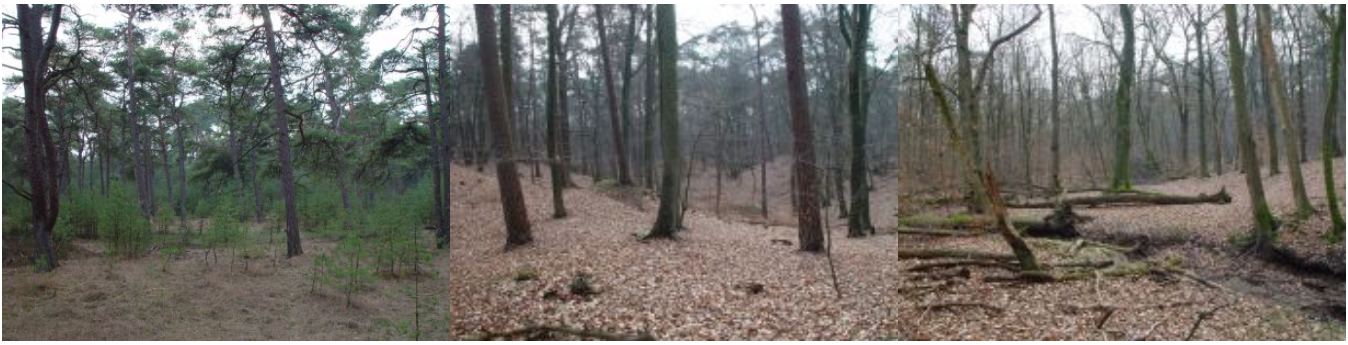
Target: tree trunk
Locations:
point(1263, 233)
point(859, 220)
point(619, 148)
point(1199, 28)
point(1122, 179)
point(762, 111)
point(40, 154)
point(805, 183)
point(137, 151)
point(1275, 87)
point(669, 217)
point(1054, 75)
point(1326, 139)
point(442, 83)
point(554, 114)
point(293, 247)
point(512, 198)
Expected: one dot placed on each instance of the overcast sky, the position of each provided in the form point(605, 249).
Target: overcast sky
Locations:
point(889, 24)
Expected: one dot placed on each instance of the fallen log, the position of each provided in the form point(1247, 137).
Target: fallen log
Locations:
point(937, 232)
point(1220, 197)
point(1060, 224)
point(953, 254)
point(962, 221)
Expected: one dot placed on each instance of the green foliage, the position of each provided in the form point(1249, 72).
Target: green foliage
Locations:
point(341, 269)
point(396, 232)
point(120, 224)
point(225, 231)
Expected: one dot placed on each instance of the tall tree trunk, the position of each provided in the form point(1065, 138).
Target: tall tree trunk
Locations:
point(40, 154)
point(629, 50)
point(293, 247)
point(859, 220)
point(137, 151)
point(1264, 222)
point(762, 111)
point(1326, 139)
point(1122, 179)
point(1055, 75)
point(512, 198)
point(669, 217)
point(1275, 87)
point(649, 100)
point(619, 148)
point(554, 113)
point(1199, 28)
point(442, 83)
point(805, 184)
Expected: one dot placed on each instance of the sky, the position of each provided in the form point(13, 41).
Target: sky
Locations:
point(889, 24)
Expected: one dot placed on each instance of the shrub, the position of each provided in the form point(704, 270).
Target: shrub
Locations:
point(341, 269)
point(121, 224)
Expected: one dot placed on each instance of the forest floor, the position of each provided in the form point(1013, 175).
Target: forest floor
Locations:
point(726, 277)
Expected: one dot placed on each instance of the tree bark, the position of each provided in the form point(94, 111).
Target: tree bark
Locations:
point(669, 217)
point(40, 154)
point(1326, 139)
point(859, 220)
point(619, 146)
point(1263, 233)
point(1274, 86)
point(1122, 178)
point(554, 113)
point(512, 198)
point(293, 247)
point(442, 83)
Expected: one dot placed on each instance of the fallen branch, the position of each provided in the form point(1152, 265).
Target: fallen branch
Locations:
point(1204, 315)
point(937, 232)
point(962, 221)
point(953, 254)
point(946, 264)
point(1221, 197)
point(537, 332)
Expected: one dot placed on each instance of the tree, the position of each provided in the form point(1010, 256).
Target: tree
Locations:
point(1263, 233)
point(807, 215)
point(765, 153)
point(619, 148)
point(856, 32)
point(1054, 76)
point(43, 195)
point(556, 165)
point(442, 83)
point(1274, 86)
point(1327, 140)
point(1123, 103)
point(669, 217)
point(293, 247)
point(968, 89)
point(512, 197)
point(144, 185)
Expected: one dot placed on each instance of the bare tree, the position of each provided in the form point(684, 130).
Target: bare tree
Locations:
point(803, 167)
point(1264, 222)
point(1278, 94)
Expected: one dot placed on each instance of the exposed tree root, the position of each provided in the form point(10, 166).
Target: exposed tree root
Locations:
point(544, 332)
point(1140, 198)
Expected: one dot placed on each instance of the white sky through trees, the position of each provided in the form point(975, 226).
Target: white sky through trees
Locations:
point(890, 27)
